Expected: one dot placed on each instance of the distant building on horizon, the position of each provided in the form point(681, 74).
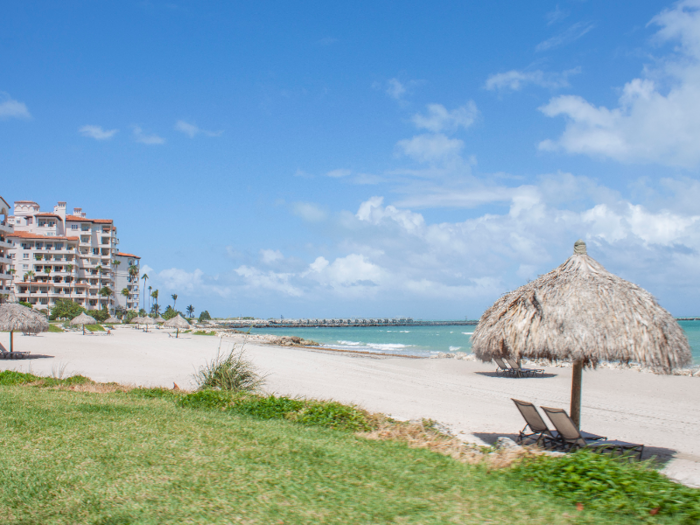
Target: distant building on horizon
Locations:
point(127, 279)
point(5, 245)
point(56, 255)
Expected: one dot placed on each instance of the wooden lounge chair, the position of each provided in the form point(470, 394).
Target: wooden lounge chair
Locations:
point(571, 439)
point(540, 434)
point(503, 368)
point(528, 372)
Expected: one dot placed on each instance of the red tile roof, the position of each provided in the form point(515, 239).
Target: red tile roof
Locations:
point(46, 213)
point(128, 255)
point(28, 235)
point(75, 218)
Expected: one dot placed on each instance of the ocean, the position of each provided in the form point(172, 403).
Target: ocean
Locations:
point(417, 340)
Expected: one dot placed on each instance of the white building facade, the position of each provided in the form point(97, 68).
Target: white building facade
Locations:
point(56, 255)
point(5, 245)
point(127, 280)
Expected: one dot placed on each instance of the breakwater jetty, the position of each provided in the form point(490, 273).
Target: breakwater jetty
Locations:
point(336, 323)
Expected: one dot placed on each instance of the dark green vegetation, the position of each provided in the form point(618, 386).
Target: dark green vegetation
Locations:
point(203, 332)
point(628, 488)
point(94, 328)
point(67, 309)
point(151, 456)
point(204, 316)
point(55, 328)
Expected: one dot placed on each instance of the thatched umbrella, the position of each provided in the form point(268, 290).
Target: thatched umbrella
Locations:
point(582, 313)
point(112, 320)
point(82, 319)
point(177, 322)
point(146, 321)
point(15, 317)
point(159, 319)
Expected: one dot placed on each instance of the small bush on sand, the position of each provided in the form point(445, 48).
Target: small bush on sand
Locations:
point(611, 484)
point(55, 328)
point(229, 372)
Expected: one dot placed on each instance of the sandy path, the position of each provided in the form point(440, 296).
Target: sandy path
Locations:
point(663, 412)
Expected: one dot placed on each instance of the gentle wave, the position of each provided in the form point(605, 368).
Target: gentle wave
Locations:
point(349, 343)
point(454, 348)
point(467, 333)
point(386, 346)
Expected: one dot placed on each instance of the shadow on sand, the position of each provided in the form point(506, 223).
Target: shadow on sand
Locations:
point(660, 455)
point(501, 376)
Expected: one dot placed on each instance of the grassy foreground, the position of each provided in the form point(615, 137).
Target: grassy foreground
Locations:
point(118, 458)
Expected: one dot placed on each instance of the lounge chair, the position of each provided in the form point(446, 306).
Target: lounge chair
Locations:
point(540, 434)
point(504, 368)
point(519, 371)
point(571, 439)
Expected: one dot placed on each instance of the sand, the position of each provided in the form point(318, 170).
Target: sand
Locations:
point(662, 412)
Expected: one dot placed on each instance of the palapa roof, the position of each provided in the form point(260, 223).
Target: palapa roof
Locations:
point(15, 317)
point(159, 319)
point(82, 319)
point(177, 322)
point(112, 320)
point(580, 311)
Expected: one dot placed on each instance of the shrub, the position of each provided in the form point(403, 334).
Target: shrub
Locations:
point(207, 399)
point(28, 305)
point(612, 484)
point(203, 332)
point(270, 407)
point(99, 315)
point(10, 377)
point(331, 414)
point(94, 328)
point(65, 309)
point(229, 372)
point(204, 316)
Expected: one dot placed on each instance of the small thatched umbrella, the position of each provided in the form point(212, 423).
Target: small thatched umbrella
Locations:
point(15, 317)
point(112, 320)
point(159, 319)
point(82, 319)
point(582, 313)
point(177, 322)
point(146, 321)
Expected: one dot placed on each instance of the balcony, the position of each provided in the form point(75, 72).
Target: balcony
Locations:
point(5, 228)
point(5, 244)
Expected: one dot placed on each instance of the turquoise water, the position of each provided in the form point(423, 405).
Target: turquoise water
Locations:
point(417, 340)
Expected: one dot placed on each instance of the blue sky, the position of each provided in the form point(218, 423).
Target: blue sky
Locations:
point(374, 158)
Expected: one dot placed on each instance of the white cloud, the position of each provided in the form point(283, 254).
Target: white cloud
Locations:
point(651, 123)
point(144, 138)
point(96, 132)
point(439, 118)
point(373, 212)
point(395, 89)
point(571, 34)
point(431, 148)
point(192, 130)
point(268, 280)
point(308, 211)
point(351, 270)
point(271, 256)
point(515, 80)
point(557, 15)
point(10, 108)
point(336, 174)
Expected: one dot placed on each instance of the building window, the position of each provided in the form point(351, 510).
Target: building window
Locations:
point(25, 267)
point(73, 226)
point(25, 256)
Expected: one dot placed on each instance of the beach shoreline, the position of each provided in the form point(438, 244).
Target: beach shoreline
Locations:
point(465, 396)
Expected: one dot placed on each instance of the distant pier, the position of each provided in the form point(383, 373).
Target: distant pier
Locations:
point(337, 323)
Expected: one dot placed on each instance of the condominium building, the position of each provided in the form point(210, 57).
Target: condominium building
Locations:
point(127, 269)
point(5, 261)
point(56, 255)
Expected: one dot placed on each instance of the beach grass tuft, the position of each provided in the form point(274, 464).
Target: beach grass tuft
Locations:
point(230, 371)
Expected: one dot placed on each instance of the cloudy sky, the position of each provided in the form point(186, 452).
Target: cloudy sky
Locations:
point(373, 158)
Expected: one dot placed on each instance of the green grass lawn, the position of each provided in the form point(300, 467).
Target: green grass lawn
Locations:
point(123, 458)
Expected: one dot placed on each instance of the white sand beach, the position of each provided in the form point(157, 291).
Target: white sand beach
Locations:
point(662, 412)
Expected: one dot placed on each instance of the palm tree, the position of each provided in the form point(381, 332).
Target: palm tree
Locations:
point(29, 274)
point(145, 278)
point(125, 293)
point(47, 271)
point(155, 309)
point(149, 295)
point(155, 296)
point(174, 296)
point(190, 311)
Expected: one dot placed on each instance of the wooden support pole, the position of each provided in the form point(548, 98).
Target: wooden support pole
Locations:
point(576, 378)
point(11, 340)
